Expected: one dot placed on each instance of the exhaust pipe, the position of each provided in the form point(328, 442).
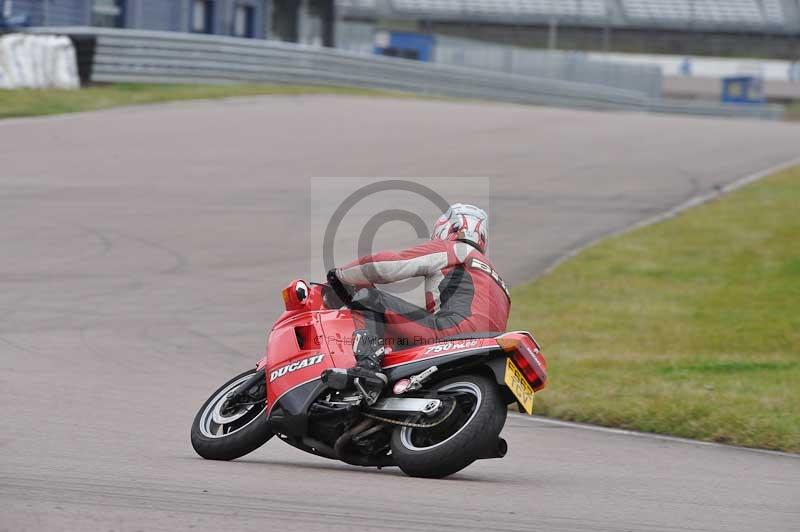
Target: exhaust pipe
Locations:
point(344, 440)
point(498, 450)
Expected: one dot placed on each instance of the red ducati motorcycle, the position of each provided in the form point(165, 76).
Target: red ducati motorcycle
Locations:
point(444, 407)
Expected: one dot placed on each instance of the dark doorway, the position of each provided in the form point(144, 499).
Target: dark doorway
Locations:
point(203, 16)
point(324, 11)
point(318, 21)
point(285, 20)
point(244, 19)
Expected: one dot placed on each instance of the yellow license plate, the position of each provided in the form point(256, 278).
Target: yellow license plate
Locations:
point(516, 382)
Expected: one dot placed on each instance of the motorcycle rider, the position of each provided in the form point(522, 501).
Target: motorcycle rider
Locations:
point(463, 292)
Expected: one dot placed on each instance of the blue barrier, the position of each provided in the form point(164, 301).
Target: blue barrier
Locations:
point(743, 89)
point(404, 44)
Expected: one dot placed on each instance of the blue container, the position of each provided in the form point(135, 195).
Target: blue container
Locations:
point(742, 89)
point(404, 44)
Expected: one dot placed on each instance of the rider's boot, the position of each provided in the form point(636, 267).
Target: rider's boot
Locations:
point(368, 350)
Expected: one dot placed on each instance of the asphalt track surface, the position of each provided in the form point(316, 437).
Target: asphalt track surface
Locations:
point(141, 255)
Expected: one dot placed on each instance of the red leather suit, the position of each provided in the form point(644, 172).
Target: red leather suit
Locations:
point(463, 292)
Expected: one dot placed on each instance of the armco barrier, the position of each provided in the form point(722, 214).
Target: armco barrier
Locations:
point(164, 57)
point(561, 65)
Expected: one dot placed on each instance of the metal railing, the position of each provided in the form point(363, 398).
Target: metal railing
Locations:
point(549, 64)
point(165, 57)
point(555, 64)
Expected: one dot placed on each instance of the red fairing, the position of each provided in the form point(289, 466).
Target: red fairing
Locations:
point(435, 350)
point(311, 338)
point(288, 363)
point(296, 349)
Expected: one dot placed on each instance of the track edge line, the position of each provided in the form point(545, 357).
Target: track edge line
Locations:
point(650, 435)
point(695, 201)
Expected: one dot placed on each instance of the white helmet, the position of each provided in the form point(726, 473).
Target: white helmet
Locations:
point(467, 223)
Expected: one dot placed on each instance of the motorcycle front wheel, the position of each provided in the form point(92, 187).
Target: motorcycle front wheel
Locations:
point(472, 428)
point(225, 431)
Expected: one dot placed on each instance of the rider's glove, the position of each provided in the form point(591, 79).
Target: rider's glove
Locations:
point(332, 277)
point(338, 287)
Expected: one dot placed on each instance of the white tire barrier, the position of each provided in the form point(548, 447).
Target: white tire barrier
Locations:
point(37, 62)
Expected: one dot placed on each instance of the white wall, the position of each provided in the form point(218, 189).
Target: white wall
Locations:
point(710, 67)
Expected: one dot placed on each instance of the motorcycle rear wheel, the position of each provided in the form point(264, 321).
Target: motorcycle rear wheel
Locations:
point(219, 434)
point(473, 428)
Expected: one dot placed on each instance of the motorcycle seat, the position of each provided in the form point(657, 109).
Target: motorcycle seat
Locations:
point(471, 335)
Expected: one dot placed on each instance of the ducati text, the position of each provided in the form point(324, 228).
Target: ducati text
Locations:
point(294, 366)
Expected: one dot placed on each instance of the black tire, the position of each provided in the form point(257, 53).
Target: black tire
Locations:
point(247, 433)
point(471, 438)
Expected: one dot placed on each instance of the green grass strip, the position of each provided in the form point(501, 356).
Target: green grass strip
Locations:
point(26, 102)
point(793, 112)
point(689, 327)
